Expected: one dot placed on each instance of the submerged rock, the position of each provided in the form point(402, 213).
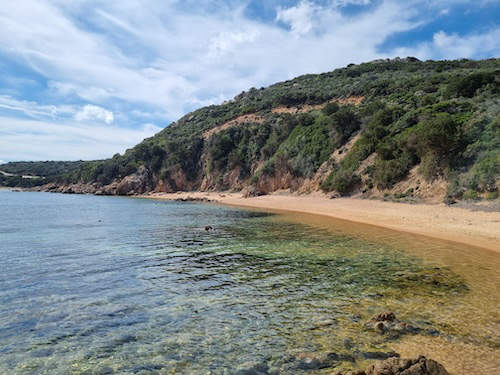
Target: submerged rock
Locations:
point(387, 322)
point(251, 368)
point(379, 355)
point(313, 361)
point(385, 317)
point(399, 366)
point(193, 199)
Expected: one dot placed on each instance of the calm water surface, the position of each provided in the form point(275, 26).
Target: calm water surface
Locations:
point(103, 285)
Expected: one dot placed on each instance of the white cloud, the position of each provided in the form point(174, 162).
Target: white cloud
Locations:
point(22, 139)
point(449, 46)
point(92, 112)
point(350, 2)
point(299, 17)
point(225, 42)
point(33, 109)
point(173, 60)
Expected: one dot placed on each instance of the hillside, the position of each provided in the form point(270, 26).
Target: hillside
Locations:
point(401, 128)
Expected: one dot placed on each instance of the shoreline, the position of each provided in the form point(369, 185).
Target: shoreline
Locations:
point(454, 224)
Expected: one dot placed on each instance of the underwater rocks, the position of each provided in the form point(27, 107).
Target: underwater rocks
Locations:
point(193, 199)
point(399, 366)
point(305, 363)
point(253, 369)
point(312, 361)
point(386, 322)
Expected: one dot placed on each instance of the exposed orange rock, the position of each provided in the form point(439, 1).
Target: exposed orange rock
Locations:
point(355, 100)
point(251, 118)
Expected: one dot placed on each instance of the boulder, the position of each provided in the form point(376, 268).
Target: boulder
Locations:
point(253, 191)
point(136, 183)
point(252, 368)
point(313, 361)
point(398, 366)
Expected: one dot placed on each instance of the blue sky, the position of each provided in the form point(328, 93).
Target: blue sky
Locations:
point(87, 79)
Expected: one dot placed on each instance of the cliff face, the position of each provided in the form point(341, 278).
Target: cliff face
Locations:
point(402, 128)
point(144, 181)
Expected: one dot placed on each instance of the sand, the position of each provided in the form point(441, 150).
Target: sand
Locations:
point(474, 228)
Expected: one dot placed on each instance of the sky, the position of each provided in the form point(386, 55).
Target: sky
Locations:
point(85, 79)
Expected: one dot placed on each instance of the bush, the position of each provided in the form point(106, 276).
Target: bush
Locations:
point(430, 167)
point(470, 195)
point(389, 172)
point(438, 134)
point(331, 108)
point(346, 122)
point(269, 168)
point(468, 85)
point(491, 195)
point(343, 182)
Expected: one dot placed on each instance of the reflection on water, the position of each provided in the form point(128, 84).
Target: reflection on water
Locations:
point(116, 285)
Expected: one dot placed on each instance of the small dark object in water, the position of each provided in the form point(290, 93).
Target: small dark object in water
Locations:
point(209, 228)
point(385, 317)
point(380, 326)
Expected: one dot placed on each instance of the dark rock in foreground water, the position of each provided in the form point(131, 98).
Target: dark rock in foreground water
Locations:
point(398, 366)
point(313, 361)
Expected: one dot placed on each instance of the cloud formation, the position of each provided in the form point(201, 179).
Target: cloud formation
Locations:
point(133, 62)
point(92, 112)
point(300, 18)
point(22, 139)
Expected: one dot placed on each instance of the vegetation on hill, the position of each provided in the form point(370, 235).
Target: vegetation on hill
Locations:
point(438, 118)
point(30, 174)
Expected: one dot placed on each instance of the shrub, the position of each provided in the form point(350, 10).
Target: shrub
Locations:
point(269, 168)
point(468, 85)
point(341, 181)
point(389, 172)
point(330, 108)
point(346, 122)
point(470, 195)
point(491, 195)
point(430, 167)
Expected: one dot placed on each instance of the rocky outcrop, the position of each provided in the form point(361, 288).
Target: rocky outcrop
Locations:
point(137, 183)
point(70, 189)
point(399, 366)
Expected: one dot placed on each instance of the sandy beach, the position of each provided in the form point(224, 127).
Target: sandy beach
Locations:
point(475, 228)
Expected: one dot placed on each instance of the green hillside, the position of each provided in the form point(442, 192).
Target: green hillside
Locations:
point(362, 130)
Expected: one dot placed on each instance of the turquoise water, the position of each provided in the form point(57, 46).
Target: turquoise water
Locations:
point(100, 285)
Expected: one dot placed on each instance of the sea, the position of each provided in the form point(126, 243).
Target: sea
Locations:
point(117, 285)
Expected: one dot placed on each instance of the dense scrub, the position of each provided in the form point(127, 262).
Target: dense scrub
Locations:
point(442, 116)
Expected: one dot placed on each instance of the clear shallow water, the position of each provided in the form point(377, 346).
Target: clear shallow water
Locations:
point(117, 285)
